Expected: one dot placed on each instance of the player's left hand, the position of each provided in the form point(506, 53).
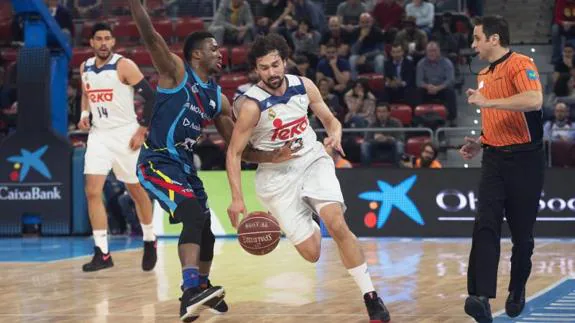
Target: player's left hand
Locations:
point(334, 143)
point(475, 97)
point(138, 138)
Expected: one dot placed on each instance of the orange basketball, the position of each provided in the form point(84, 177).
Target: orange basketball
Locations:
point(259, 233)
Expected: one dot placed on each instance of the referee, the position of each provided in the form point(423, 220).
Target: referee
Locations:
point(509, 95)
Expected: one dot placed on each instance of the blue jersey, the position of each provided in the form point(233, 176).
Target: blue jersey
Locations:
point(179, 116)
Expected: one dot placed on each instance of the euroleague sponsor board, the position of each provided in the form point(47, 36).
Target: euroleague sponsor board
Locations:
point(442, 202)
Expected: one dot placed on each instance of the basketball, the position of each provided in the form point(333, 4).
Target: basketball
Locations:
point(259, 233)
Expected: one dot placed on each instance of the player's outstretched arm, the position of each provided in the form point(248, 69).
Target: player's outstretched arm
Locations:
point(225, 125)
point(248, 117)
point(169, 66)
point(320, 109)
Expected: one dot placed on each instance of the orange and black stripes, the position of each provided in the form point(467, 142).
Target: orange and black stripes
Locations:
point(514, 75)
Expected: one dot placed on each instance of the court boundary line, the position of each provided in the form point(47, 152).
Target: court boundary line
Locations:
point(539, 293)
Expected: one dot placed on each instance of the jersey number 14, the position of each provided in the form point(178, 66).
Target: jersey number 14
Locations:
point(102, 112)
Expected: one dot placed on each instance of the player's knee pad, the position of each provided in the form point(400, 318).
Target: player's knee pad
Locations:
point(208, 240)
point(193, 217)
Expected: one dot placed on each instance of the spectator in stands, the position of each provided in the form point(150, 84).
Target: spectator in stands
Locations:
point(388, 14)
point(302, 67)
point(307, 9)
point(399, 77)
point(563, 26)
point(306, 41)
point(272, 15)
point(423, 12)
point(426, 159)
point(413, 39)
point(335, 69)
point(448, 39)
point(349, 12)
point(233, 22)
point(562, 128)
point(63, 17)
point(566, 63)
point(338, 159)
point(252, 79)
point(360, 104)
point(377, 143)
point(88, 8)
point(434, 78)
point(336, 35)
point(330, 99)
point(368, 47)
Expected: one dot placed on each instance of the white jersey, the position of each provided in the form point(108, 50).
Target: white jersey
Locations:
point(111, 101)
point(283, 118)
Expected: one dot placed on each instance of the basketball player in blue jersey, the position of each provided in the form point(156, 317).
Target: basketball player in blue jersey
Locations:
point(187, 99)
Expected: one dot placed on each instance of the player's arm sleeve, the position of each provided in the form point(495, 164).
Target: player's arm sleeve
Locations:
point(145, 90)
point(525, 76)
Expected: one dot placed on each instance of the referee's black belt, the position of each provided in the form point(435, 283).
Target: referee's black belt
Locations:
point(530, 146)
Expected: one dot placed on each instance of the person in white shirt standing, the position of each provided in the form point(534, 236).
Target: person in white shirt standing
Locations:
point(109, 81)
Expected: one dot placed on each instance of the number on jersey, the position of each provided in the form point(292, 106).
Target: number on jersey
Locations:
point(102, 112)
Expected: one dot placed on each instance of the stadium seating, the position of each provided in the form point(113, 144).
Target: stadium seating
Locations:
point(403, 113)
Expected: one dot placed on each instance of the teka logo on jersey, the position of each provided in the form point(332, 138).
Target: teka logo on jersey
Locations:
point(289, 130)
point(388, 197)
point(22, 165)
point(101, 96)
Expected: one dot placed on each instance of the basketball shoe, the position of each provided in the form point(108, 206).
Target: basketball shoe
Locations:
point(193, 300)
point(150, 255)
point(99, 261)
point(375, 308)
point(216, 305)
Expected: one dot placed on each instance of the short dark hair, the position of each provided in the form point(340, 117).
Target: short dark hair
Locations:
point(383, 105)
point(194, 41)
point(99, 27)
point(494, 25)
point(267, 44)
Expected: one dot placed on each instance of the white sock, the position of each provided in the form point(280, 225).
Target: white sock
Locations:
point(148, 232)
point(101, 240)
point(361, 276)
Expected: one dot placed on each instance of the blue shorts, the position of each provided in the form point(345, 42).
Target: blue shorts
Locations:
point(170, 185)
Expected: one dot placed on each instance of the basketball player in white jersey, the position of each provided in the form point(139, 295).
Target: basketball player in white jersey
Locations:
point(270, 113)
point(109, 82)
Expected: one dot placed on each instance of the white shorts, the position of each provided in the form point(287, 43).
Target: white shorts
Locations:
point(291, 191)
point(109, 149)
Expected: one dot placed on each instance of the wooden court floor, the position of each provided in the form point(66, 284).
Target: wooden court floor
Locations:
point(420, 281)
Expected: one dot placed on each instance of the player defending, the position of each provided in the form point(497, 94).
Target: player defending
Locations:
point(108, 82)
point(274, 112)
point(187, 98)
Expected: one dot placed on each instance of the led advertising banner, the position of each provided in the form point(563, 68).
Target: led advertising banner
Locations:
point(441, 202)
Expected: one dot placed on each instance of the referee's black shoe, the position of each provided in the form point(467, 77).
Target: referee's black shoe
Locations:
point(478, 307)
point(515, 303)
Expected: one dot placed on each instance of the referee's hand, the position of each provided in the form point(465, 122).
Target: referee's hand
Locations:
point(470, 149)
point(475, 97)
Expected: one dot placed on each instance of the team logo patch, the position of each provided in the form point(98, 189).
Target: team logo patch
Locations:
point(271, 114)
point(532, 75)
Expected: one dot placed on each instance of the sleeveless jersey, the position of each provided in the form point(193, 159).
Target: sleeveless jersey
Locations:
point(179, 116)
point(283, 118)
point(111, 101)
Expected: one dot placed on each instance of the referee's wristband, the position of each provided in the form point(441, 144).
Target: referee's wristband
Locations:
point(85, 114)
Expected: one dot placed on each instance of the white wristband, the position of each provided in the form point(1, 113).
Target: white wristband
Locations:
point(85, 114)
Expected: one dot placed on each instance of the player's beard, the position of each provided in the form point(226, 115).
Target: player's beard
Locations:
point(273, 87)
point(104, 56)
